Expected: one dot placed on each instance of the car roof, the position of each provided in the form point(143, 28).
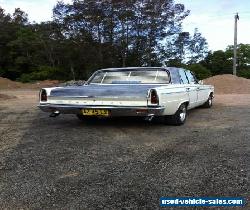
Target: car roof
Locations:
point(139, 68)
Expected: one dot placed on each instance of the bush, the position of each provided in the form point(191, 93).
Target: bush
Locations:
point(2, 72)
point(244, 73)
point(41, 73)
point(25, 78)
point(200, 71)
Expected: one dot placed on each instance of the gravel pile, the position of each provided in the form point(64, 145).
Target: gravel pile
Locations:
point(229, 84)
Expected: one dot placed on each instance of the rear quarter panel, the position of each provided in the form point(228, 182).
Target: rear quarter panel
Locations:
point(204, 92)
point(171, 97)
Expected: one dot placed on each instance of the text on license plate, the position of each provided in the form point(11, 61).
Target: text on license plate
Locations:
point(95, 112)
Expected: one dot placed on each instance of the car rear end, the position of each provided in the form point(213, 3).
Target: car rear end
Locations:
point(112, 92)
point(106, 101)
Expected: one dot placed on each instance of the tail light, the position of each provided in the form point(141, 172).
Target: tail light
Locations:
point(43, 95)
point(154, 97)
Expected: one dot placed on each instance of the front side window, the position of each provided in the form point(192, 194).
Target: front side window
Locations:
point(131, 77)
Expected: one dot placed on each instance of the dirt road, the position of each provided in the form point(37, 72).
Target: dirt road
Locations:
point(49, 163)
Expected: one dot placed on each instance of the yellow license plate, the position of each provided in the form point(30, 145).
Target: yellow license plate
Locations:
point(95, 112)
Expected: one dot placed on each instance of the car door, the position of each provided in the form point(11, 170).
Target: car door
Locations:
point(193, 89)
point(190, 88)
point(202, 91)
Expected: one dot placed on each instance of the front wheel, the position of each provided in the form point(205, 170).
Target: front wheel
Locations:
point(179, 117)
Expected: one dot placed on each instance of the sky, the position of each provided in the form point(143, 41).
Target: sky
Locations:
point(37, 10)
point(213, 18)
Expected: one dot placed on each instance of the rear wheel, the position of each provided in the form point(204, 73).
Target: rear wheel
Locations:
point(179, 117)
point(209, 102)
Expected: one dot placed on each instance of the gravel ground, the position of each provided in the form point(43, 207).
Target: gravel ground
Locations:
point(61, 163)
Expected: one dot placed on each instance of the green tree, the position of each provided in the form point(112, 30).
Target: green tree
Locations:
point(243, 55)
point(86, 35)
point(23, 50)
point(125, 33)
point(200, 71)
point(218, 63)
point(197, 47)
point(8, 33)
point(19, 17)
point(221, 62)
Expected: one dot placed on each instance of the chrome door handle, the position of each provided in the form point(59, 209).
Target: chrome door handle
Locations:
point(198, 88)
point(187, 89)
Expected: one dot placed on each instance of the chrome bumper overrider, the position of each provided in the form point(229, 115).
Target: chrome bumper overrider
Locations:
point(114, 110)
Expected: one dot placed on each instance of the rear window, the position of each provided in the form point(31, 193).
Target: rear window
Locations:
point(131, 77)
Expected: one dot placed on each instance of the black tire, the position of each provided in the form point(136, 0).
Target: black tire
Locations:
point(209, 102)
point(86, 119)
point(179, 118)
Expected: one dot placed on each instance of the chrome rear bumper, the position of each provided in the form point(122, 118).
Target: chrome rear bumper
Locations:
point(114, 110)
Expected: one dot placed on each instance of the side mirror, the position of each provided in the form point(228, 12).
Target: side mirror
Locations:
point(201, 82)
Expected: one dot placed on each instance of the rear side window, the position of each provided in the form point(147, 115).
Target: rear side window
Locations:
point(191, 78)
point(183, 77)
point(175, 77)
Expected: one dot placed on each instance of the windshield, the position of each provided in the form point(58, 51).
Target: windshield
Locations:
point(130, 77)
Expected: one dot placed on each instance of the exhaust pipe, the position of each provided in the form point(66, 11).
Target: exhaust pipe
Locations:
point(54, 114)
point(149, 117)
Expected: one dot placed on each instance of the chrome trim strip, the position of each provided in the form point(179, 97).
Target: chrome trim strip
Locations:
point(174, 92)
point(99, 106)
point(95, 97)
point(115, 110)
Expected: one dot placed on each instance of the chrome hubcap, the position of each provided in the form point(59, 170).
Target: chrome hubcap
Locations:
point(183, 114)
point(210, 101)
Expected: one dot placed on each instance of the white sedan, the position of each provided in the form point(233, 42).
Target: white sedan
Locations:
point(165, 92)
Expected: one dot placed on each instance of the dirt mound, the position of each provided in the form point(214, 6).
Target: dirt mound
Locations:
point(6, 97)
point(45, 83)
point(228, 84)
point(8, 84)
